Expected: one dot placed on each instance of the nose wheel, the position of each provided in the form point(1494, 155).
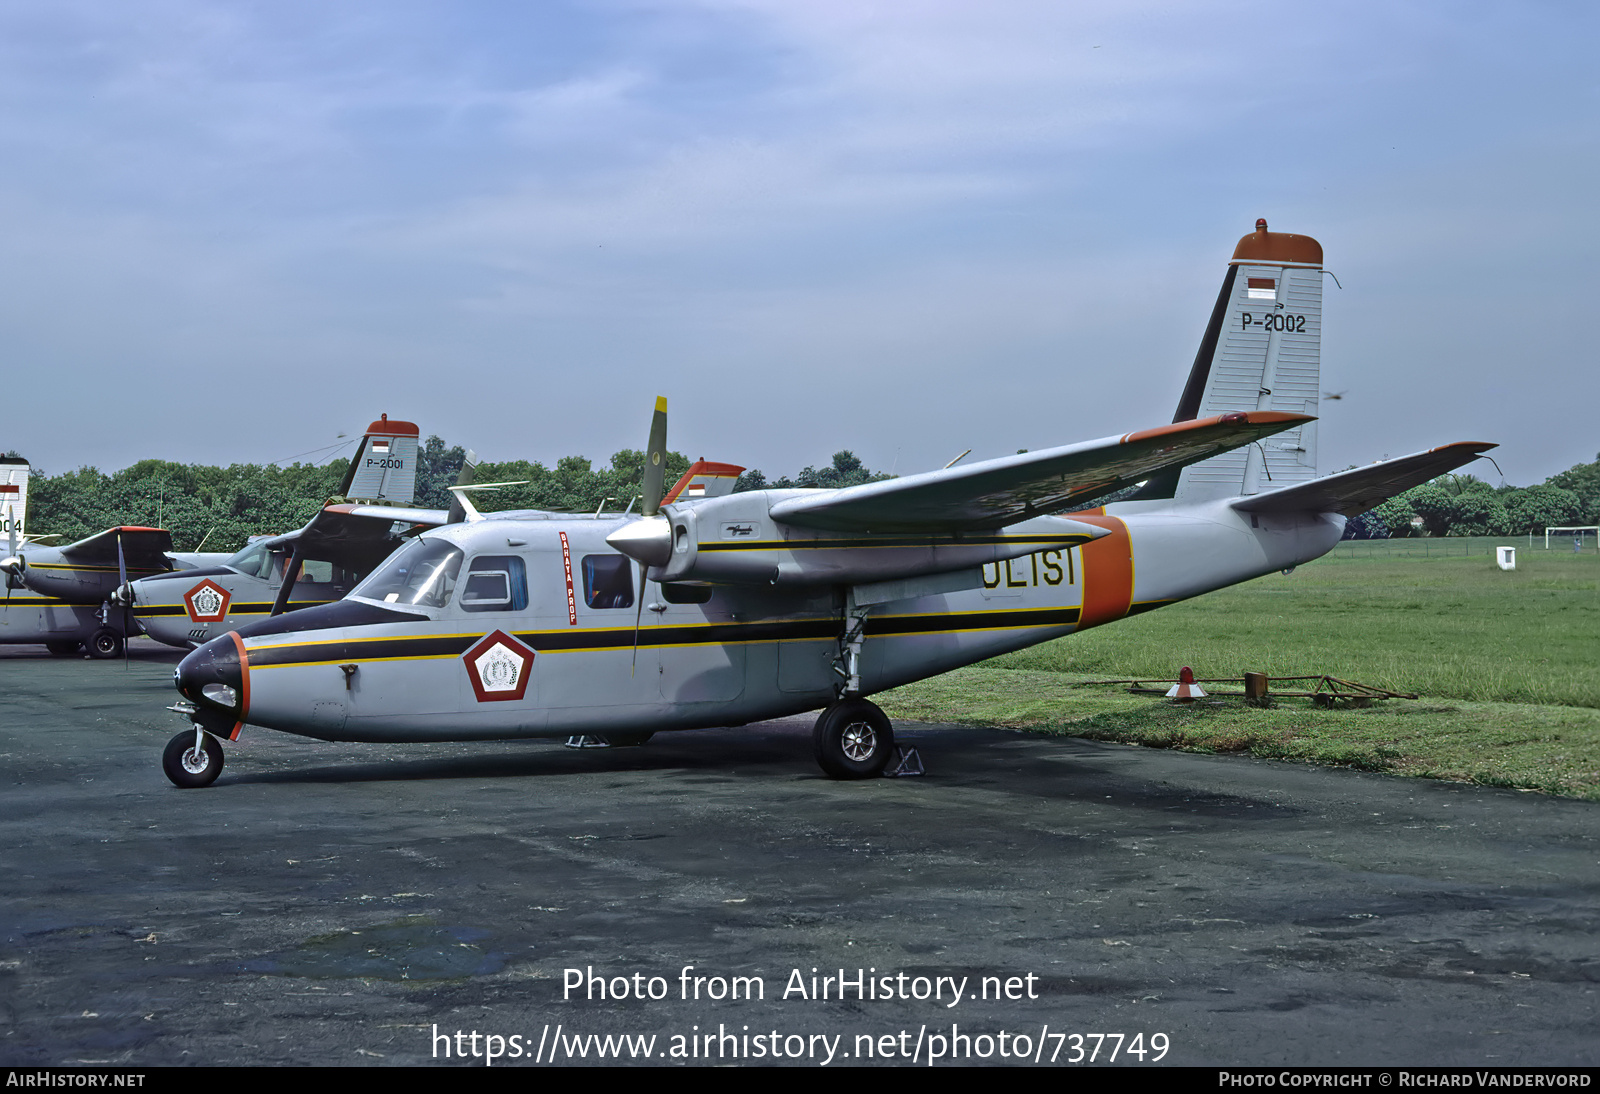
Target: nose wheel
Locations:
point(192, 759)
point(853, 740)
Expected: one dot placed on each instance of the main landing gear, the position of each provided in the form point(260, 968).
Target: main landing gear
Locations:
point(853, 739)
point(192, 759)
point(104, 644)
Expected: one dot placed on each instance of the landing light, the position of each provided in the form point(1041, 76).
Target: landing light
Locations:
point(221, 693)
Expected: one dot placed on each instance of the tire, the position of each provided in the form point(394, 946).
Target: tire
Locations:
point(63, 649)
point(185, 768)
point(105, 644)
point(853, 740)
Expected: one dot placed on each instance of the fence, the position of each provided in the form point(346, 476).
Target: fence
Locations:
point(1447, 546)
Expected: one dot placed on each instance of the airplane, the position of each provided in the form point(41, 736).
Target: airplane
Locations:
point(353, 532)
point(770, 603)
point(56, 596)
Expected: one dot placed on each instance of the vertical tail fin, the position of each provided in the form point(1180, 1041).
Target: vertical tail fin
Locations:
point(1262, 350)
point(13, 500)
point(466, 477)
point(384, 468)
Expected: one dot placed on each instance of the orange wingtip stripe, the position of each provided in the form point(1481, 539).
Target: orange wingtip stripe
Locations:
point(1254, 417)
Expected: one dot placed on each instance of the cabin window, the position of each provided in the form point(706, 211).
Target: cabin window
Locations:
point(607, 581)
point(495, 583)
point(423, 573)
point(676, 593)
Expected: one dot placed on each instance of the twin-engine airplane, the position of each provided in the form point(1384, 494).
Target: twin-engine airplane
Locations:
point(774, 602)
point(317, 564)
point(56, 596)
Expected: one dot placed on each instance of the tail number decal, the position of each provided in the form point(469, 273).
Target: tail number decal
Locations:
point(1274, 321)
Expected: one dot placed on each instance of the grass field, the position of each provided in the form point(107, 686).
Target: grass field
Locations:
point(1507, 665)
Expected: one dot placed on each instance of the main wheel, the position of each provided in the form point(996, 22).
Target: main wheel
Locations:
point(62, 649)
point(853, 739)
point(105, 644)
point(188, 766)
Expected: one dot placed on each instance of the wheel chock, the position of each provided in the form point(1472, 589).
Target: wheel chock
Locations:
point(905, 763)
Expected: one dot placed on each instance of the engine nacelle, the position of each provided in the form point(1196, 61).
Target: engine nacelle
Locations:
point(734, 540)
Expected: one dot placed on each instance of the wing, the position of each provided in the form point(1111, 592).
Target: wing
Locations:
point(361, 536)
point(142, 548)
point(995, 493)
point(1354, 492)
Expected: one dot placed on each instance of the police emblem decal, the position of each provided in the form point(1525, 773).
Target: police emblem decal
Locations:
point(207, 602)
point(497, 666)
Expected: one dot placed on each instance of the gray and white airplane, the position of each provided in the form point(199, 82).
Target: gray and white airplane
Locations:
point(723, 610)
point(323, 561)
point(56, 596)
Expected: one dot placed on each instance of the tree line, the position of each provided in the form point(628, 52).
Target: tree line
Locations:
point(219, 508)
point(1464, 505)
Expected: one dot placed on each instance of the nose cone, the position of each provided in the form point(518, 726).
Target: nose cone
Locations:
point(214, 677)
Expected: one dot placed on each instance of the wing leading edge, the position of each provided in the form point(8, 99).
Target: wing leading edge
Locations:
point(997, 493)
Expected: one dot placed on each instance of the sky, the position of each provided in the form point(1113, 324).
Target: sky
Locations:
point(231, 232)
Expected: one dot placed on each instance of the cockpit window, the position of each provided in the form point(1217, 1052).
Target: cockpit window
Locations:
point(423, 573)
point(495, 583)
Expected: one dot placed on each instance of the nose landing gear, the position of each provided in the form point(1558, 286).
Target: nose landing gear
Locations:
point(192, 759)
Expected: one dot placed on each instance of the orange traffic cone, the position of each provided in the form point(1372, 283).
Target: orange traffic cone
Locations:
point(1186, 690)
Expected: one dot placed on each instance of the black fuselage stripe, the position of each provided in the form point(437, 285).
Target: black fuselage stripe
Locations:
point(623, 638)
point(152, 611)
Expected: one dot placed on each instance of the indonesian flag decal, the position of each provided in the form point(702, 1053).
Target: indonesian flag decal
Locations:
point(1263, 288)
point(380, 446)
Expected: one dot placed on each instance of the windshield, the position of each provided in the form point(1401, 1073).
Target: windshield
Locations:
point(423, 572)
point(254, 561)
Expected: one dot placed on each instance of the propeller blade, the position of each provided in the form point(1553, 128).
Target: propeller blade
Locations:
point(122, 578)
point(655, 460)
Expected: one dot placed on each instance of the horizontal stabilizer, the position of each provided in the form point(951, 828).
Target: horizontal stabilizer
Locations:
point(996, 493)
point(1354, 492)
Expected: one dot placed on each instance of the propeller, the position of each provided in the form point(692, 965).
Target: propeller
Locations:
point(122, 580)
point(651, 531)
